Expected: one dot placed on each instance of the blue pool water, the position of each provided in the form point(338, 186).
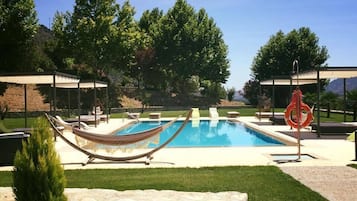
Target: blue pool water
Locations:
point(206, 133)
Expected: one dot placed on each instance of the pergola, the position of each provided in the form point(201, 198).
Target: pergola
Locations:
point(285, 81)
point(53, 78)
point(88, 85)
point(328, 73)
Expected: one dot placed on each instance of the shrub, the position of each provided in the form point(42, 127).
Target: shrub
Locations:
point(38, 174)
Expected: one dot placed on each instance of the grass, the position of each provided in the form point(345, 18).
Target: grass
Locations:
point(334, 117)
point(260, 182)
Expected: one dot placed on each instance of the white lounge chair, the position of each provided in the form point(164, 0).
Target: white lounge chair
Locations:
point(133, 115)
point(213, 113)
point(195, 117)
point(195, 113)
point(68, 125)
point(97, 110)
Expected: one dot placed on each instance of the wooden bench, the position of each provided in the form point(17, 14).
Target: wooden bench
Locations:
point(155, 115)
point(233, 114)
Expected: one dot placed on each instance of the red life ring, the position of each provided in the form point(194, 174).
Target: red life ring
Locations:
point(303, 121)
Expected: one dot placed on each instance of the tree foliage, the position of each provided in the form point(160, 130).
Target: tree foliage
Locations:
point(186, 43)
point(38, 174)
point(18, 26)
point(183, 48)
point(230, 93)
point(276, 57)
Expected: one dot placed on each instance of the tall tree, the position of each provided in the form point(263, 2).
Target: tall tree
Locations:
point(276, 57)
point(18, 26)
point(146, 57)
point(128, 41)
point(91, 33)
point(189, 44)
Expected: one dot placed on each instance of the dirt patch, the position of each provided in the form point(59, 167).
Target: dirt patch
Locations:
point(230, 103)
point(15, 99)
point(127, 102)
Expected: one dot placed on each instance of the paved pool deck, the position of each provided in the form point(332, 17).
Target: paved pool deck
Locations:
point(324, 172)
point(324, 152)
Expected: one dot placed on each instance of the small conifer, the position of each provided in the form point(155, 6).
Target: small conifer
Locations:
point(38, 174)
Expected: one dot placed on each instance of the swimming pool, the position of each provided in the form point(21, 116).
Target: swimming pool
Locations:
point(206, 133)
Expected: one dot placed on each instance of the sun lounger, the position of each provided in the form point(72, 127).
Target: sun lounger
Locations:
point(97, 111)
point(277, 120)
point(9, 144)
point(195, 113)
point(70, 125)
point(133, 115)
point(195, 117)
point(334, 127)
point(213, 113)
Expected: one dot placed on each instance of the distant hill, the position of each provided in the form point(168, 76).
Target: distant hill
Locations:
point(336, 86)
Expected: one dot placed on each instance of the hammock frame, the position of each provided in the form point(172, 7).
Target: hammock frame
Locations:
point(93, 156)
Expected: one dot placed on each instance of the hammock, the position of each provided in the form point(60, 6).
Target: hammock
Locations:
point(92, 156)
point(120, 139)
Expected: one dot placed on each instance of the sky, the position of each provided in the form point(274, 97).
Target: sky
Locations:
point(247, 25)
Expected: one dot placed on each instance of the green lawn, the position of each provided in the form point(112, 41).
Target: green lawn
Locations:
point(19, 122)
point(260, 182)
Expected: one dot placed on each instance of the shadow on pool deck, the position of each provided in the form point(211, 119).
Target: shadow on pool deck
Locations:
point(306, 135)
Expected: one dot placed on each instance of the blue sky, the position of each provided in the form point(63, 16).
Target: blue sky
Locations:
point(248, 24)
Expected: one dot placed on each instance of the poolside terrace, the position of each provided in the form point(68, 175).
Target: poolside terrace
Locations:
point(326, 152)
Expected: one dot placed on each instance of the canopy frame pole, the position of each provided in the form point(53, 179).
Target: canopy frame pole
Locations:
point(25, 99)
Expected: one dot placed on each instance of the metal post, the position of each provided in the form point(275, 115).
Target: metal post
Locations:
point(344, 99)
point(298, 107)
point(54, 94)
point(259, 101)
point(25, 97)
point(79, 104)
point(69, 102)
point(355, 146)
point(95, 104)
point(318, 103)
point(107, 104)
point(273, 98)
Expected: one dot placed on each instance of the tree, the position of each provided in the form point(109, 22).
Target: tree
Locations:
point(92, 33)
point(38, 174)
point(189, 44)
point(146, 58)
point(230, 93)
point(98, 40)
point(276, 58)
point(352, 101)
point(18, 26)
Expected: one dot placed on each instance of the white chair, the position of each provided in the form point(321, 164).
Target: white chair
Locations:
point(97, 110)
point(133, 115)
point(213, 113)
point(195, 113)
point(68, 125)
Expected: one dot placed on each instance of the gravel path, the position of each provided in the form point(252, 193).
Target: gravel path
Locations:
point(335, 183)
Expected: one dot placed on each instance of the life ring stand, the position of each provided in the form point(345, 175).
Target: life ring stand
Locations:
point(303, 107)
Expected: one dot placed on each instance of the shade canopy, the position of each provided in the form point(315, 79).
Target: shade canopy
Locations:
point(287, 82)
point(39, 78)
point(328, 73)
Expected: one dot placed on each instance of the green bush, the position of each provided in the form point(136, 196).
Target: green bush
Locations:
point(38, 174)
